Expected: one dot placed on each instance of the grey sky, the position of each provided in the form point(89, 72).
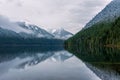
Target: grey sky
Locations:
point(69, 14)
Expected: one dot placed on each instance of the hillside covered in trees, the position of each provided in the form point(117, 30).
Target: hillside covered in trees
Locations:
point(100, 34)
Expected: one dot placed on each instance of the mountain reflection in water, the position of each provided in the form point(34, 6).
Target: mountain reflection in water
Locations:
point(36, 63)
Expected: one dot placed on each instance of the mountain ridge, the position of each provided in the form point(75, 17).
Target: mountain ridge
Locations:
point(25, 30)
point(36, 31)
point(108, 14)
point(61, 33)
point(101, 31)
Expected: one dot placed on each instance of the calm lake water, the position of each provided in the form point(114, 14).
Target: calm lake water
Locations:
point(53, 64)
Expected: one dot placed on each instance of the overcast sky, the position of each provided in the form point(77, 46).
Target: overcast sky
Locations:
point(71, 15)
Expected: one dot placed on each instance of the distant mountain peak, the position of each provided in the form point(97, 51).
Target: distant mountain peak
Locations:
point(61, 33)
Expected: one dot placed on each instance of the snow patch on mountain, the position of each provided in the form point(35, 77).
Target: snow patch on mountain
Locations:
point(109, 13)
point(61, 33)
point(36, 31)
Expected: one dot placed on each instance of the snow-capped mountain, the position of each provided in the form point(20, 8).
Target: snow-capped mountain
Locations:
point(8, 25)
point(61, 33)
point(24, 30)
point(36, 31)
point(109, 13)
point(20, 29)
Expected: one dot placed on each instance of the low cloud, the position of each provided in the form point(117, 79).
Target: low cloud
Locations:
point(69, 14)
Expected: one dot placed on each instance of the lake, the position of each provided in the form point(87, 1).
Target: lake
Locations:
point(40, 63)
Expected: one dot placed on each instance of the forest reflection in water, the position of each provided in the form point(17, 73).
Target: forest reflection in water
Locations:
point(103, 61)
point(54, 63)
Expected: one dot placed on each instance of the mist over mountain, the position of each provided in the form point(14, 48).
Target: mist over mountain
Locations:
point(5, 23)
point(21, 34)
point(36, 31)
point(25, 30)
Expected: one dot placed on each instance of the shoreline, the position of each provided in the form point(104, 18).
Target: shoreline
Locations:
point(112, 46)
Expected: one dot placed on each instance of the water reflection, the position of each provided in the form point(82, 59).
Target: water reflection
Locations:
point(37, 64)
point(105, 71)
point(104, 62)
